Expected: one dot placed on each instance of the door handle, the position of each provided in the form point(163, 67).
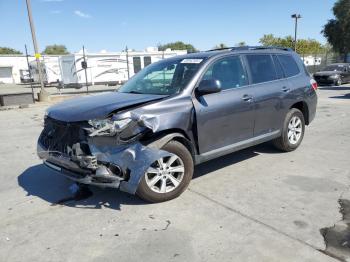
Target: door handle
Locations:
point(247, 98)
point(285, 89)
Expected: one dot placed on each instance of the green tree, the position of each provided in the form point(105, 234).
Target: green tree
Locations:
point(55, 50)
point(9, 51)
point(303, 46)
point(240, 44)
point(337, 31)
point(271, 40)
point(220, 46)
point(178, 46)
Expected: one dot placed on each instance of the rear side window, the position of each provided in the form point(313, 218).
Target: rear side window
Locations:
point(262, 68)
point(289, 65)
point(279, 69)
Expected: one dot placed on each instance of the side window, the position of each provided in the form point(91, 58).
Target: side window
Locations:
point(261, 68)
point(289, 65)
point(137, 64)
point(229, 71)
point(279, 69)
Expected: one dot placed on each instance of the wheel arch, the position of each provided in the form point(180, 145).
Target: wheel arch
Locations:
point(303, 107)
point(158, 140)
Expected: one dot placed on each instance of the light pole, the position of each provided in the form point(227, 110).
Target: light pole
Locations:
point(43, 95)
point(296, 17)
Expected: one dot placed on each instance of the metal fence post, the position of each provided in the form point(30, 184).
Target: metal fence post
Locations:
point(85, 68)
point(127, 61)
point(30, 74)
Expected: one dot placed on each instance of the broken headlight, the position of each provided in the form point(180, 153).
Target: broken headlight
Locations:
point(108, 127)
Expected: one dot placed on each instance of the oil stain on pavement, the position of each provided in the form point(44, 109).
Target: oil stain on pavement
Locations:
point(337, 237)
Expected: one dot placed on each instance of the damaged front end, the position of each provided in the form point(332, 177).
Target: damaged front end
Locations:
point(105, 153)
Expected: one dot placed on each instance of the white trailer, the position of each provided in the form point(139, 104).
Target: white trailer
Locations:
point(66, 71)
point(108, 68)
point(312, 60)
point(51, 70)
point(12, 68)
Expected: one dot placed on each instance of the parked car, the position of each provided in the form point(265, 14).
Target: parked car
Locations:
point(334, 74)
point(147, 137)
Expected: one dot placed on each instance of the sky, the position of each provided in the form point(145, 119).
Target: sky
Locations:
point(112, 24)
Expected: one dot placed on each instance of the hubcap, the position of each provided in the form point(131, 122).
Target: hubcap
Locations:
point(166, 174)
point(295, 130)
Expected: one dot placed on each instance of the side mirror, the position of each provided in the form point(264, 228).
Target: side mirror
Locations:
point(209, 87)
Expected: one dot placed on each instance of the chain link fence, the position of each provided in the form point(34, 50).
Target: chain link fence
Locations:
point(316, 62)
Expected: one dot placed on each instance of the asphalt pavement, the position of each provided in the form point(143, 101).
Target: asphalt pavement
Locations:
point(254, 205)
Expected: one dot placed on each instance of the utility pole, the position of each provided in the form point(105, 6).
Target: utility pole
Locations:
point(43, 95)
point(296, 17)
point(84, 65)
point(30, 73)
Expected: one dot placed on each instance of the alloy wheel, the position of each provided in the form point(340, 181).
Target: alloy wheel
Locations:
point(295, 130)
point(165, 174)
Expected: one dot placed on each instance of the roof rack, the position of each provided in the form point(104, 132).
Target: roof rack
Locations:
point(242, 48)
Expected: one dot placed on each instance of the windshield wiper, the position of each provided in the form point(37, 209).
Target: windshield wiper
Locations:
point(135, 92)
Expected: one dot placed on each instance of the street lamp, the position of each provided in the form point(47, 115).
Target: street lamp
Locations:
point(296, 17)
point(43, 95)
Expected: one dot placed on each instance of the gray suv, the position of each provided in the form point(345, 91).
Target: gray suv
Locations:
point(146, 137)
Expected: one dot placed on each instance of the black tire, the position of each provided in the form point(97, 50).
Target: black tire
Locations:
point(282, 143)
point(339, 82)
point(175, 147)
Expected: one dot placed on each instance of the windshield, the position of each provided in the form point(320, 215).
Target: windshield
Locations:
point(334, 68)
point(163, 78)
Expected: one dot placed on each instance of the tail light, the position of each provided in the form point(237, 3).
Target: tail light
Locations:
point(314, 84)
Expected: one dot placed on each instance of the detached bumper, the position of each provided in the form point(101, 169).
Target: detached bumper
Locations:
point(109, 165)
point(72, 170)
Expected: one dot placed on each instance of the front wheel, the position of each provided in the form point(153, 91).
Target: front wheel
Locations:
point(339, 82)
point(167, 177)
point(292, 131)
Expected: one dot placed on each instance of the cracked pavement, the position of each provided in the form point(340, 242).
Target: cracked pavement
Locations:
point(254, 205)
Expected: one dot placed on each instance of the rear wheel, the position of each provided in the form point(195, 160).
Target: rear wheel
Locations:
point(292, 131)
point(167, 177)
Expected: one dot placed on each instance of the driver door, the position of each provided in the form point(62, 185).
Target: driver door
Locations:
point(227, 117)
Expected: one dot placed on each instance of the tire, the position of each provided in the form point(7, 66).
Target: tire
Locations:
point(150, 194)
point(339, 82)
point(284, 143)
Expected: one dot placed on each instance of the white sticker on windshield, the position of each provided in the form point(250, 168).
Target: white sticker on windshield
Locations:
point(191, 61)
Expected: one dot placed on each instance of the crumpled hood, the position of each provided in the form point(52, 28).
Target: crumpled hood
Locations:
point(96, 106)
point(327, 73)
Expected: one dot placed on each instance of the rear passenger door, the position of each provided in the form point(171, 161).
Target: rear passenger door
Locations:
point(269, 88)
